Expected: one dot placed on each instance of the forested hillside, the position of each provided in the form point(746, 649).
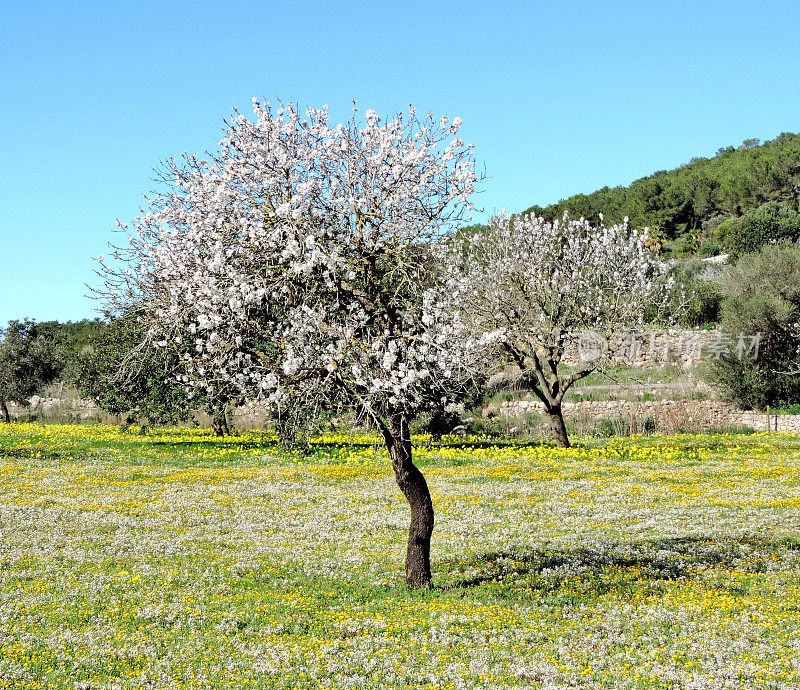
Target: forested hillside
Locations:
point(732, 202)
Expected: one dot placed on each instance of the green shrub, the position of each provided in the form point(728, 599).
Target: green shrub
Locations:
point(528, 424)
point(787, 409)
point(711, 248)
point(769, 222)
point(761, 295)
point(442, 422)
point(697, 296)
point(494, 427)
point(613, 427)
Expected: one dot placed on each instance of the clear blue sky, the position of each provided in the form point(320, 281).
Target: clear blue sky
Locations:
point(558, 98)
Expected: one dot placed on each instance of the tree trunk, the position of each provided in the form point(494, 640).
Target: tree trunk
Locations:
point(219, 422)
point(415, 489)
point(558, 426)
point(6, 415)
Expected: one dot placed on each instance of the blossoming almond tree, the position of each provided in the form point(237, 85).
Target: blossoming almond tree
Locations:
point(545, 284)
point(296, 261)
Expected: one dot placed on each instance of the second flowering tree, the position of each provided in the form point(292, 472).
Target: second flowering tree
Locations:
point(543, 286)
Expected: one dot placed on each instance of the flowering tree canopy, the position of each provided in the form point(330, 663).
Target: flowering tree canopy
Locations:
point(296, 262)
point(542, 285)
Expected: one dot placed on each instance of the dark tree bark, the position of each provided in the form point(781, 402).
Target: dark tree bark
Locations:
point(548, 386)
point(219, 422)
point(6, 415)
point(414, 487)
point(559, 427)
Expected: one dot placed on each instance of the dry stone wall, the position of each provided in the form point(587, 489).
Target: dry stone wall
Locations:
point(668, 415)
point(685, 348)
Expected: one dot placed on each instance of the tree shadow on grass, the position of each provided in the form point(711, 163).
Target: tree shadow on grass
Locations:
point(253, 444)
point(616, 567)
point(482, 444)
point(457, 443)
point(204, 443)
point(29, 453)
point(271, 444)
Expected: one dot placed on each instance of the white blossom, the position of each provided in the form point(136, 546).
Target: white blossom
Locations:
point(297, 255)
point(535, 285)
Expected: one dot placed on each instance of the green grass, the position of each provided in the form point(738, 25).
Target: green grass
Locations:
point(176, 560)
point(625, 375)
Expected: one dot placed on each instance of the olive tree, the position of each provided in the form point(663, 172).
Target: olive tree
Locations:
point(296, 263)
point(28, 362)
point(544, 285)
point(127, 377)
point(761, 305)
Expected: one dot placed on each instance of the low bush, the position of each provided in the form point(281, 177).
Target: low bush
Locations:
point(787, 409)
point(697, 294)
point(770, 222)
point(761, 300)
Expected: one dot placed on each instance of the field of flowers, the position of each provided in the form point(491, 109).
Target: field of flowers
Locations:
point(177, 560)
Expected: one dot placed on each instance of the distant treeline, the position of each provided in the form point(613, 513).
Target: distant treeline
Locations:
point(35, 354)
point(731, 202)
point(108, 361)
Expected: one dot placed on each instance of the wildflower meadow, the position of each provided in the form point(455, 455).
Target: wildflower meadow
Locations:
point(177, 560)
